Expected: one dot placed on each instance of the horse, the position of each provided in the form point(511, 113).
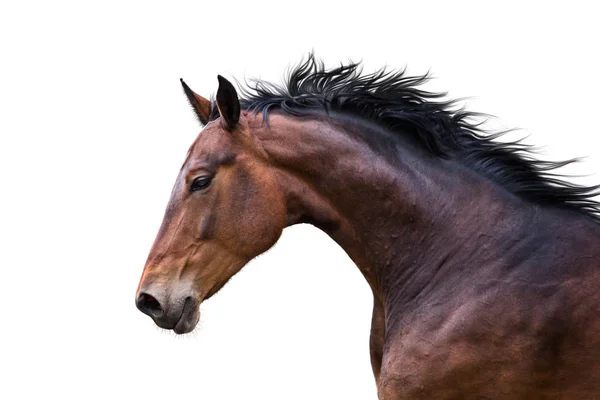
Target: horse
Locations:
point(483, 261)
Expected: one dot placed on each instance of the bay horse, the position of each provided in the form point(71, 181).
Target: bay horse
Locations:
point(484, 264)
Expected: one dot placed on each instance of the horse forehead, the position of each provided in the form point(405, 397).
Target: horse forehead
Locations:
point(211, 148)
point(210, 141)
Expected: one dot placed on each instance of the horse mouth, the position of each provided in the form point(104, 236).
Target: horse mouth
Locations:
point(190, 314)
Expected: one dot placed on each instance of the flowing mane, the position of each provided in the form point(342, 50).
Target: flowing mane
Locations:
point(394, 100)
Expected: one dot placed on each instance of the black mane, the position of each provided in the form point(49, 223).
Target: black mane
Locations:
point(395, 100)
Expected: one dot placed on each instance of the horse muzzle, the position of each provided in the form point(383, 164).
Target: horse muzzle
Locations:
point(180, 314)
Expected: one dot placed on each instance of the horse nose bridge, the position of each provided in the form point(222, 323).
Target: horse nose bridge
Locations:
point(155, 259)
point(164, 263)
point(170, 240)
point(157, 270)
point(160, 277)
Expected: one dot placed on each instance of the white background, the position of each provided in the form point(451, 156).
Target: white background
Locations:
point(93, 129)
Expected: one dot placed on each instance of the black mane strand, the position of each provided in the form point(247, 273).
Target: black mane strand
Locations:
point(396, 101)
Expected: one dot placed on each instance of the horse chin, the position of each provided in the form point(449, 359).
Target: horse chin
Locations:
point(189, 317)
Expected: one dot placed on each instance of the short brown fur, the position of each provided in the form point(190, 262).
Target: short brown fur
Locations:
point(477, 293)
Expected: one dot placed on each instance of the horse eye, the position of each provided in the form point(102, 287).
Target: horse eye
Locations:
point(202, 182)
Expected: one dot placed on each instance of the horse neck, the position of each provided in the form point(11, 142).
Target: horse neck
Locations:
point(404, 219)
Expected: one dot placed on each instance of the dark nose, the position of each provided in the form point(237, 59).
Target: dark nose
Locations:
point(149, 305)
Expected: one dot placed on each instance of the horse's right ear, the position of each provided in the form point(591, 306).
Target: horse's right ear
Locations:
point(201, 106)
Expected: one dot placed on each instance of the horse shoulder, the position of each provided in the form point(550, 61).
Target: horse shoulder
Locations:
point(515, 341)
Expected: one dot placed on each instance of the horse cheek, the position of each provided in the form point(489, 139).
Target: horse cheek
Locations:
point(259, 216)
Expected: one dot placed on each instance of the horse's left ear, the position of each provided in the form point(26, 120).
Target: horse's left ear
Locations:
point(228, 103)
point(201, 106)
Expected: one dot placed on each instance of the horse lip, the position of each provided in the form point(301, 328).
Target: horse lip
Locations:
point(186, 322)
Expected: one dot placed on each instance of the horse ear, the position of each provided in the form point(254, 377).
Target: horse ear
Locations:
point(201, 106)
point(228, 102)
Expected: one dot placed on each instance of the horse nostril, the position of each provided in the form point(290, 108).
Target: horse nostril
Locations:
point(148, 305)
